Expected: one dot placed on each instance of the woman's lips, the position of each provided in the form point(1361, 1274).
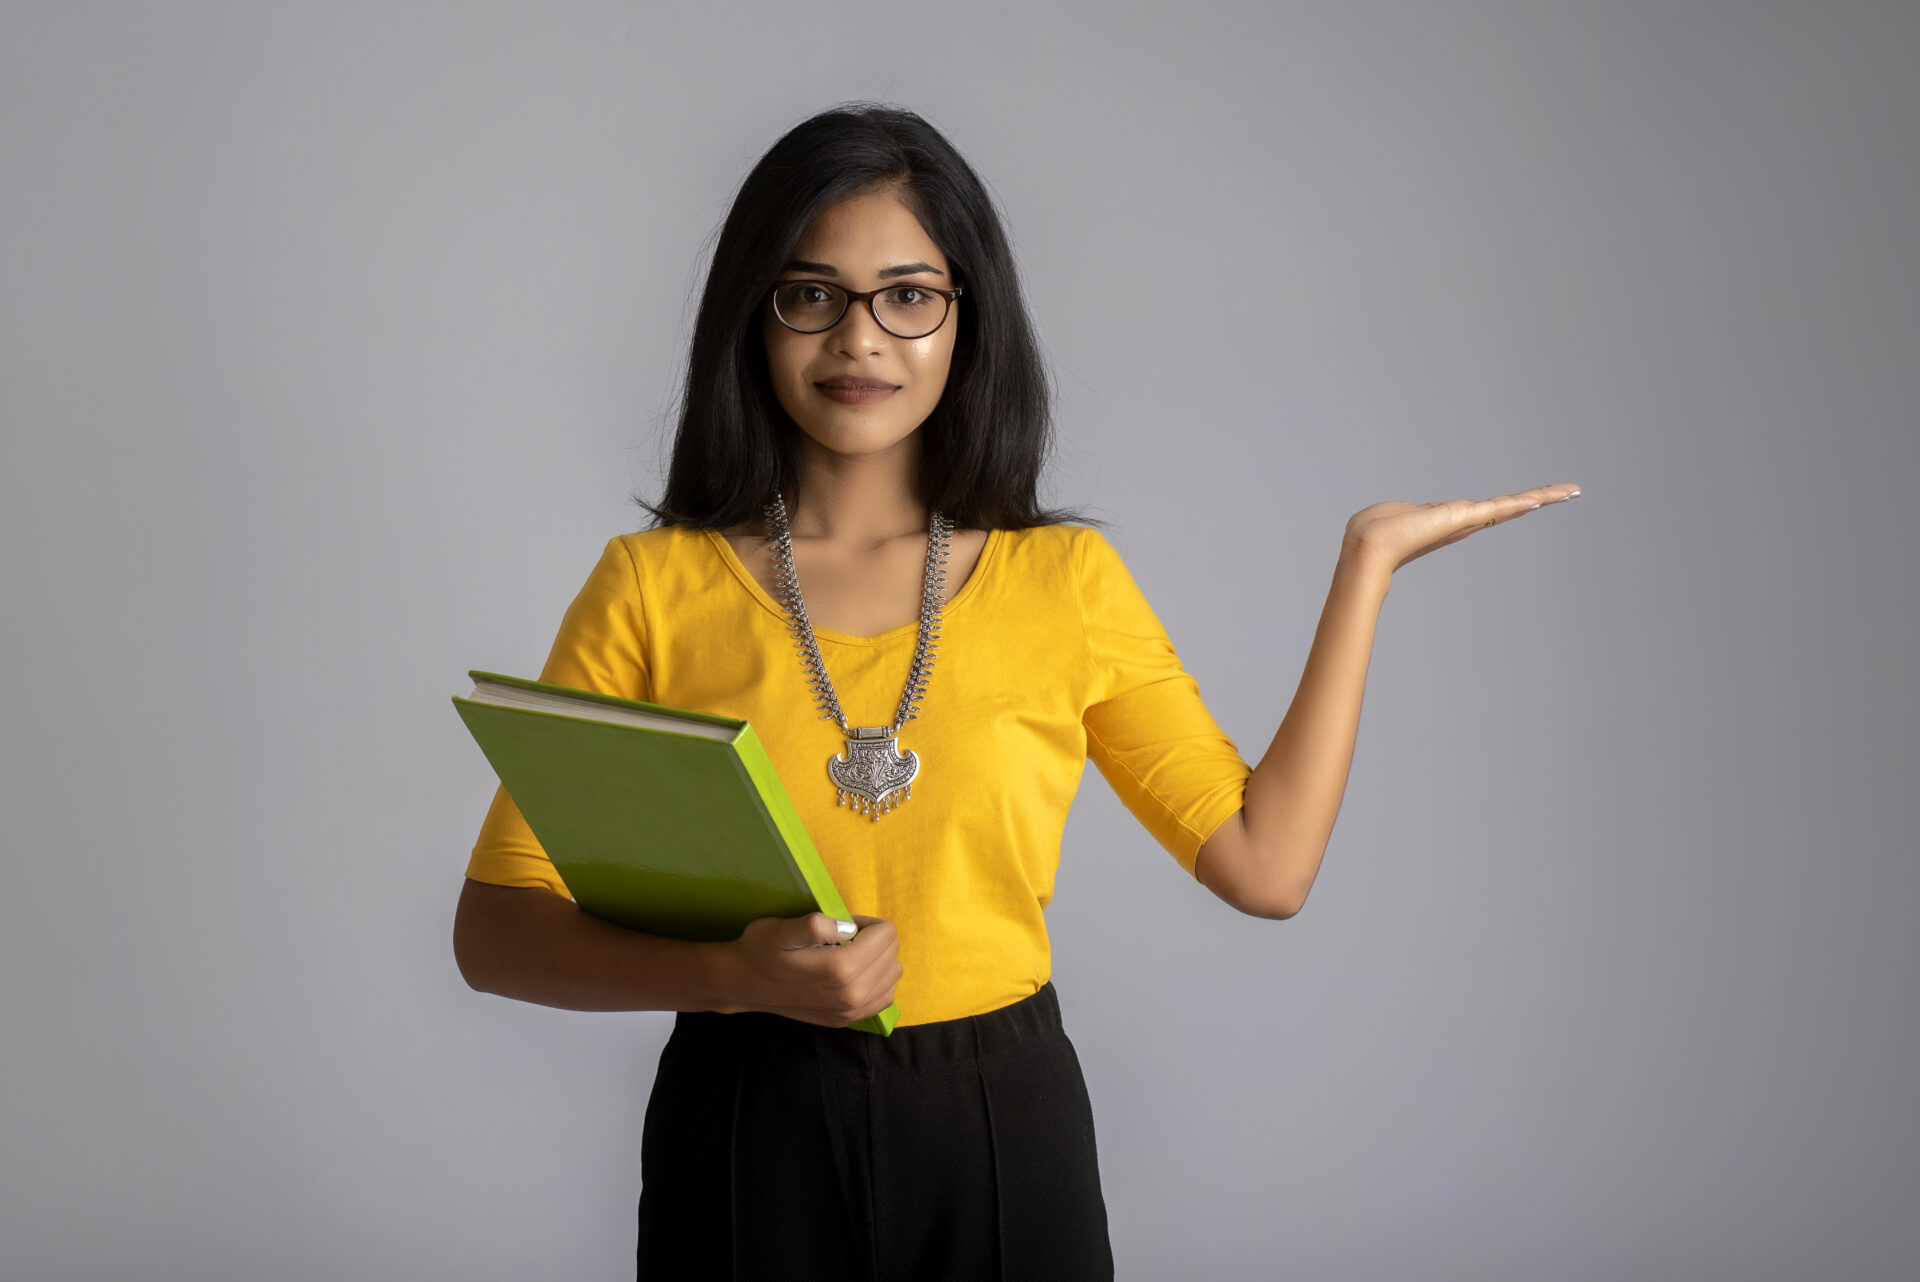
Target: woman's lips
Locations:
point(853, 394)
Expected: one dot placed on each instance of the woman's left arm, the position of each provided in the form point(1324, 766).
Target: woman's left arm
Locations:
point(1263, 859)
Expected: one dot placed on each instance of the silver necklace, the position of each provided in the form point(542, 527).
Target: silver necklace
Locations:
point(873, 777)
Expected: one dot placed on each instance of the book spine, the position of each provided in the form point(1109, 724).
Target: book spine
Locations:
point(806, 859)
point(786, 821)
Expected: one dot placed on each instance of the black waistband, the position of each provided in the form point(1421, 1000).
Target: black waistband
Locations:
point(912, 1048)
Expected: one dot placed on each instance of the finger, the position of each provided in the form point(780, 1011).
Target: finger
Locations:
point(880, 1002)
point(881, 993)
point(856, 976)
point(1512, 506)
point(1557, 492)
point(880, 971)
point(817, 929)
point(1534, 499)
point(1495, 511)
point(1468, 515)
point(877, 937)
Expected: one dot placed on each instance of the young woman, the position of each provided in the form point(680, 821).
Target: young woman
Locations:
point(850, 555)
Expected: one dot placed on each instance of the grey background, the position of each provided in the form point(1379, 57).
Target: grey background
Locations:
point(333, 339)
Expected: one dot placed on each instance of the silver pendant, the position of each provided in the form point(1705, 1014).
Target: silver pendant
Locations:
point(874, 778)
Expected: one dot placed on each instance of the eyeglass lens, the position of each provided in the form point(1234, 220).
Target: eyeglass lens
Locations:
point(907, 311)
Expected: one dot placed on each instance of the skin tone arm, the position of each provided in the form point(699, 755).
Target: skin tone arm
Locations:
point(531, 944)
point(1264, 859)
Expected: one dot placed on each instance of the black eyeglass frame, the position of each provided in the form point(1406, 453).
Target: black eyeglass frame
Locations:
point(850, 297)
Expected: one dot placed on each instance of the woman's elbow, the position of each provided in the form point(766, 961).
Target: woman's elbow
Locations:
point(466, 954)
point(1230, 866)
point(1270, 907)
point(476, 938)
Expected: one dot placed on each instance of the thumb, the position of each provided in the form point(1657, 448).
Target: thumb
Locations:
point(819, 928)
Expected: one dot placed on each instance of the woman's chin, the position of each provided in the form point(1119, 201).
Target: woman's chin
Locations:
point(859, 437)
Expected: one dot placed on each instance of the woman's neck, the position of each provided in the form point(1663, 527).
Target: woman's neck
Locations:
point(858, 501)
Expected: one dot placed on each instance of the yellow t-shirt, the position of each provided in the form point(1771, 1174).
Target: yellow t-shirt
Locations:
point(1048, 655)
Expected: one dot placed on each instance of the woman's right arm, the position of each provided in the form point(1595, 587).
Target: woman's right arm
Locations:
point(535, 946)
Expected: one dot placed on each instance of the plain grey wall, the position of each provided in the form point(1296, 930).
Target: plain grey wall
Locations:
point(333, 338)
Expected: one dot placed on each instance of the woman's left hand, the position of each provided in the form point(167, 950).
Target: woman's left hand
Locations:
point(1392, 534)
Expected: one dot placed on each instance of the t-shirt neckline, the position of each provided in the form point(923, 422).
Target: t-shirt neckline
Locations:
point(745, 576)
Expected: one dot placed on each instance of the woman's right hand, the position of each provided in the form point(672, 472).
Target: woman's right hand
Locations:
point(797, 967)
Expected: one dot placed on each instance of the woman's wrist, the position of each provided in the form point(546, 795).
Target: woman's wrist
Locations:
point(1362, 568)
point(725, 977)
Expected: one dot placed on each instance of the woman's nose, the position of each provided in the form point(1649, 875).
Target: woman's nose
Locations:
point(860, 330)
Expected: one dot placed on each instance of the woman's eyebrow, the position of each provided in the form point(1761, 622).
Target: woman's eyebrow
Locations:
point(823, 269)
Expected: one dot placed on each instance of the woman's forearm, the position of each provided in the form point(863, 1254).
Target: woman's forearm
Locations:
point(1295, 792)
point(1264, 859)
point(536, 946)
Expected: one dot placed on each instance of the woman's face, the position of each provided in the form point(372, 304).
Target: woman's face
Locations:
point(866, 242)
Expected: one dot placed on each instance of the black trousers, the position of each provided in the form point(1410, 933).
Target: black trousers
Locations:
point(962, 1149)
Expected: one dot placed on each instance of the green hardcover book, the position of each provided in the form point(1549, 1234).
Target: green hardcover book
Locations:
point(660, 819)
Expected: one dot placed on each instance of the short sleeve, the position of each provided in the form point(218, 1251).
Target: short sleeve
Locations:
point(1147, 730)
point(601, 646)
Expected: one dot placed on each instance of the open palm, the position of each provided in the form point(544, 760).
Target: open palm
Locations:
point(1392, 534)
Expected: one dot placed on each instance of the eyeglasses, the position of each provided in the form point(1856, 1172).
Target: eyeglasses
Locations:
point(905, 311)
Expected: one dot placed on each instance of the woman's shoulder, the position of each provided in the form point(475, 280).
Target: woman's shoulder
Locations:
point(655, 559)
point(662, 541)
point(1065, 545)
point(1061, 537)
point(1051, 564)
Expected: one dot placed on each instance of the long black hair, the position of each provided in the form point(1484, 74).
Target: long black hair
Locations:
point(986, 441)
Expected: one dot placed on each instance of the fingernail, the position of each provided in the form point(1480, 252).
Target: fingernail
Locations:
point(1534, 508)
point(846, 928)
point(1574, 495)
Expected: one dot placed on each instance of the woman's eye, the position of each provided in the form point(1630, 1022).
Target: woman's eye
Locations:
point(802, 294)
point(908, 296)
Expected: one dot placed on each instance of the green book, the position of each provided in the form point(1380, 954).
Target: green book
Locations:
point(659, 819)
